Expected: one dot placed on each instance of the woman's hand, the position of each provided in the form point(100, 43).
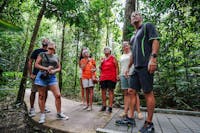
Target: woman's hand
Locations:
point(49, 68)
point(52, 71)
point(118, 78)
point(126, 73)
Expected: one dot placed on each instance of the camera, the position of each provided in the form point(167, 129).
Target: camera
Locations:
point(44, 75)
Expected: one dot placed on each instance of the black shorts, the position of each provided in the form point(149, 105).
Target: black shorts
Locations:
point(141, 78)
point(107, 84)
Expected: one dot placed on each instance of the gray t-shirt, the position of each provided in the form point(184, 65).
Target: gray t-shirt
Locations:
point(53, 60)
point(141, 43)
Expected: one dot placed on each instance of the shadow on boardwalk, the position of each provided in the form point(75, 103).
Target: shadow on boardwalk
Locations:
point(81, 121)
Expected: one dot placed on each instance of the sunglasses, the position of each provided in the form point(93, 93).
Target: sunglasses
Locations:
point(50, 48)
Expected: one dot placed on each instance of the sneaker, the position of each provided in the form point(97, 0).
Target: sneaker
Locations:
point(147, 128)
point(32, 112)
point(85, 107)
point(42, 118)
point(140, 116)
point(125, 122)
point(109, 110)
point(62, 116)
point(89, 108)
point(123, 115)
point(103, 108)
point(46, 110)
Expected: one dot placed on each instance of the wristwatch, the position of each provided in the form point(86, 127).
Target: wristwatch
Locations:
point(154, 55)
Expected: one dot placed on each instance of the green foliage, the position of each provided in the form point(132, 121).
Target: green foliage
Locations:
point(5, 26)
point(176, 83)
point(10, 81)
point(94, 24)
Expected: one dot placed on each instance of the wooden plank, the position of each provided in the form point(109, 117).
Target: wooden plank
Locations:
point(156, 124)
point(190, 122)
point(178, 124)
point(166, 126)
point(111, 125)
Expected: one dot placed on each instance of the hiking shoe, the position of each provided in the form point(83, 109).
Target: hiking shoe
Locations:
point(123, 115)
point(103, 108)
point(42, 118)
point(32, 112)
point(140, 116)
point(147, 128)
point(126, 121)
point(89, 108)
point(62, 116)
point(46, 110)
point(109, 110)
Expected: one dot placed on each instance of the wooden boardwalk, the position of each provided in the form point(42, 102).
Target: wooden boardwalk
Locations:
point(81, 121)
point(163, 123)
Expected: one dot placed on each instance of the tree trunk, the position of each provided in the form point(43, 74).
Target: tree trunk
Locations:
point(107, 25)
point(129, 8)
point(22, 87)
point(61, 56)
point(77, 58)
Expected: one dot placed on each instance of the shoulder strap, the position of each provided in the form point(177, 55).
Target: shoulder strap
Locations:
point(143, 53)
point(46, 58)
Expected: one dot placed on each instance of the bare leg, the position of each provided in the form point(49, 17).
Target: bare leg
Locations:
point(87, 96)
point(82, 91)
point(132, 94)
point(56, 92)
point(32, 99)
point(103, 96)
point(126, 101)
point(137, 103)
point(150, 101)
point(139, 113)
point(91, 96)
point(111, 97)
point(41, 100)
point(46, 95)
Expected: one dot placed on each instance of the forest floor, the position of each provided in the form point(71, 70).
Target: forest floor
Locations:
point(14, 119)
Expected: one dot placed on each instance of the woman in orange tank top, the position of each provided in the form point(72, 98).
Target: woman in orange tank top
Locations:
point(88, 66)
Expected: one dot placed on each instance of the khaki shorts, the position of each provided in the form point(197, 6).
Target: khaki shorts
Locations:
point(87, 83)
point(34, 86)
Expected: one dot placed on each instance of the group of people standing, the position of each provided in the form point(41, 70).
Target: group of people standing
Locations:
point(137, 65)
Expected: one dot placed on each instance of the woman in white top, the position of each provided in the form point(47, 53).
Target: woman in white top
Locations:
point(124, 78)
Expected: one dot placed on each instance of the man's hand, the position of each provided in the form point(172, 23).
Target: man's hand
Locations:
point(32, 76)
point(152, 66)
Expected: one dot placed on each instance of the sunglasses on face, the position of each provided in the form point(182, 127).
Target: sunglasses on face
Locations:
point(51, 49)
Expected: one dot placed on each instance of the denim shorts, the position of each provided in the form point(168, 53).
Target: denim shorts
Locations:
point(50, 80)
point(124, 82)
